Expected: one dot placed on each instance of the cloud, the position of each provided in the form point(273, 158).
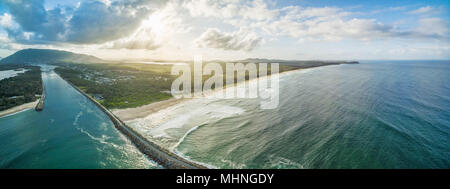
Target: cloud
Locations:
point(6, 20)
point(318, 12)
point(429, 10)
point(433, 27)
point(423, 10)
point(235, 25)
point(143, 39)
point(35, 22)
point(258, 10)
point(389, 9)
point(89, 22)
point(148, 44)
point(157, 30)
point(328, 23)
point(4, 41)
point(96, 22)
point(308, 23)
point(252, 10)
point(240, 40)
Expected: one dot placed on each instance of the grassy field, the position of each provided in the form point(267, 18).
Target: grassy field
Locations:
point(120, 85)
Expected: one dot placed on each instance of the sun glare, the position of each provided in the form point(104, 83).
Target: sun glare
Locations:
point(154, 22)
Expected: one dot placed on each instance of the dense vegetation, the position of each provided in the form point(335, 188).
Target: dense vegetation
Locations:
point(119, 86)
point(20, 89)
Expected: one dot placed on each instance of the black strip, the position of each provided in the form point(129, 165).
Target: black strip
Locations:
point(280, 177)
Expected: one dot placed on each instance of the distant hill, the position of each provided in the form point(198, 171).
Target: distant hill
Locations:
point(48, 56)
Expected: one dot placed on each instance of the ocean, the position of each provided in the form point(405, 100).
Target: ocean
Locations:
point(376, 114)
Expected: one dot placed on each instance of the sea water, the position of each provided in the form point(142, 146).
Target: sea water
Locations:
point(376, 114)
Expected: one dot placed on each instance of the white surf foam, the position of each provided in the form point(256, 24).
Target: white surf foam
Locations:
point(177, 116)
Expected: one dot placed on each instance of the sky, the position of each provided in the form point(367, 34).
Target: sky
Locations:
point(230, 29)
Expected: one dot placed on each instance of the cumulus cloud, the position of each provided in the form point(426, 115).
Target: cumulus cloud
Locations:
point(118, 24)
point(325, 23)
point(97, 22)
point(310, 23)
point(157, 30)
point(35, 22)
point(6, 20)
point(328, 23)
point(240, 40)
point(254, 10)
point(144, 38)
point(89, 22)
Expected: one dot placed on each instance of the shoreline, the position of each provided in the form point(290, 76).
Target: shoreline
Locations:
point(18, 109)
point(131, 114)
point(162, 156)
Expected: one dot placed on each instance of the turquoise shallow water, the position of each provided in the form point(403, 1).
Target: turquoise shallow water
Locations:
point(385, 114)
point(71, 132)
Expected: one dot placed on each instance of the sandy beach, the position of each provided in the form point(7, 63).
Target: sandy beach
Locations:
point(18, 108)
point(128, 114)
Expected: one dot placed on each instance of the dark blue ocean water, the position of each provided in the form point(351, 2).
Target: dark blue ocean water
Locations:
point(71, 132)
point(378, 114)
